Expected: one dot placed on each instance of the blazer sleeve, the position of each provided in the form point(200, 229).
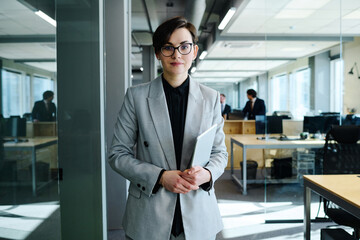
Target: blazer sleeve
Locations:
point(121, 154)
point(219, 156)
point(262, 108)
point(35, 111)
point(246, 108)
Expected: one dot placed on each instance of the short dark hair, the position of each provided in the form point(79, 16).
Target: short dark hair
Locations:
point(251, 92)
point(48, 94)
point(223, 95)
point(163, 32)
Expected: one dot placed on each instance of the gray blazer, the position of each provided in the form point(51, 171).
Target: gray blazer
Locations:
point(144, 122)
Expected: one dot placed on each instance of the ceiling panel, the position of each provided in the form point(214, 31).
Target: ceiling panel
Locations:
point(219, 80)
point(49, 66)
point(224, 74)
point(269, 49)
point(262, 16)
point(229, 65)
point(27, 51)
point(16, 19)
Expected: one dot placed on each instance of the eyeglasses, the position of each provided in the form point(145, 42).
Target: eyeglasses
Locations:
point(184, 49)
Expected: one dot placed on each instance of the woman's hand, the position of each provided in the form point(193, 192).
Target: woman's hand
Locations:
point(173, 182)
point(196, 175)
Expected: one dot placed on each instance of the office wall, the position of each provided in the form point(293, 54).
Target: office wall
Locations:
point(351, 54)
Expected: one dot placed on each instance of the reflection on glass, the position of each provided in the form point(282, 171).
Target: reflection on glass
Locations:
point(29, 198)
point(40, 85)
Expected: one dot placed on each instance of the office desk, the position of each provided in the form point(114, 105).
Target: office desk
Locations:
point(32, 145)
point(250, 142)
point(343, 190)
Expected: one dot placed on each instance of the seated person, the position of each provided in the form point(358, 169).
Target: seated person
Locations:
point(255, 106)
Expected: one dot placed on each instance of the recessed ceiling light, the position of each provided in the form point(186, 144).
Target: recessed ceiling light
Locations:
point(46, 17)
point(227, 18)
point(203, 55)
point(141, 69)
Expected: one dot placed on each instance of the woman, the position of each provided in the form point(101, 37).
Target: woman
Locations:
point(168, 199)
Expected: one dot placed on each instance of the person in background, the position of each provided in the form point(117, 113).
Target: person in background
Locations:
point(169, 198)
point(44, 110)
point(255, 106)
point(225, 108)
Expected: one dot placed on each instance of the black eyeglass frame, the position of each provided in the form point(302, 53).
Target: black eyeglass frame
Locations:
point(177, 48)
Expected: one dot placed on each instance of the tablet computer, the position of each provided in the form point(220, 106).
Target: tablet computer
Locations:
point(203, 147)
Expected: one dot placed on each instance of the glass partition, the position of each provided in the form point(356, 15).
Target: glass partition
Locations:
point(29, 196)
point(309, 86)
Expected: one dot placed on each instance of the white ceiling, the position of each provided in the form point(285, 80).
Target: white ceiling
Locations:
point(16, 20)
point(236, 65)
point(283, 19)
point(18, 51)
point(300, 17)
point(263, 49)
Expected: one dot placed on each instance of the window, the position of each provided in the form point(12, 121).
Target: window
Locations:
point(15, 89)
point(336, 83)
point(40, 85)
point(279, 93)
point(300, 93)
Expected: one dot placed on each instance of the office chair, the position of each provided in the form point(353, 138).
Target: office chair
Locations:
point(342, 156)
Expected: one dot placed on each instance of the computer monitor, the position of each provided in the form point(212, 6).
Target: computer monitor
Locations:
point(313, 124)
point(236, 114)
point(260, 124)
point(272, 124)
point(321, 124)
point(330, 114)
point(15, 128)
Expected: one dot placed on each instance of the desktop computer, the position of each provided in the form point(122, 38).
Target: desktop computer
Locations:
point(272, 124)
point(15, 127)
point(236, 114)
point(320, 124)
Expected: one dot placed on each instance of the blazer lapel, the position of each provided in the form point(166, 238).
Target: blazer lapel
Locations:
point(193, 121)
point(160, 117)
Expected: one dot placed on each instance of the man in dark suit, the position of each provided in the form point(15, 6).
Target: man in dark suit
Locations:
point(45, 110)
point(255, 106)
point(225, 108)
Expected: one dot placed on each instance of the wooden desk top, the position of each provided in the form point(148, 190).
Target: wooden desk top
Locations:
point(32, 142)
point(250, 141)
point(346, 187)
point(234, 121)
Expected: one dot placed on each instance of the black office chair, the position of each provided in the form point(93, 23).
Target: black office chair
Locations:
point(342, 156)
